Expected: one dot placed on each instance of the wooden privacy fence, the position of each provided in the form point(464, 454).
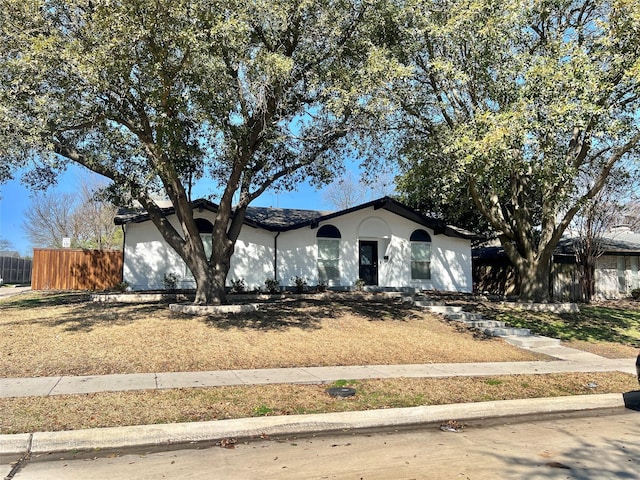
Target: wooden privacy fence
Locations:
point(15, 270)
point(67, 269)
point(501, 278)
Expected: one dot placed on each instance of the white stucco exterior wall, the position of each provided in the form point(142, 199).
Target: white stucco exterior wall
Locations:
point(148, 257)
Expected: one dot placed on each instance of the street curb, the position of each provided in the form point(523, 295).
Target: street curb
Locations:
point(164, 435)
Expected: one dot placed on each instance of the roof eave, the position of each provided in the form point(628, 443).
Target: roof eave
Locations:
point(438, 227)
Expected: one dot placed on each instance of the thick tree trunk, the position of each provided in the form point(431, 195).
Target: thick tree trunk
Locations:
point(534, 281)
point(210, 288)
point(210, 279)
point(211, 274)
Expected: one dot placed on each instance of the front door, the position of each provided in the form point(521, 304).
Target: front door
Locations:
point(369, 262)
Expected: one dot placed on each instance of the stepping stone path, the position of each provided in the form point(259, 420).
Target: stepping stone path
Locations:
point(520, 337)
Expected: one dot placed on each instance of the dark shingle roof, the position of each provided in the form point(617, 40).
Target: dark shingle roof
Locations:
point(283, 219)
point(261, 217)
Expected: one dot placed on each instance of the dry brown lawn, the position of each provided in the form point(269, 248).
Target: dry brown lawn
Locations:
point(65, 334)
point(70, 412)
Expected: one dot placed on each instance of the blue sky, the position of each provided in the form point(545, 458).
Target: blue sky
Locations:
point(16, 199)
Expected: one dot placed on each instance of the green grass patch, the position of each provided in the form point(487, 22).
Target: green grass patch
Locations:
point(344, 383)
point(592, 324)
point(262, 411)
point(493, 381)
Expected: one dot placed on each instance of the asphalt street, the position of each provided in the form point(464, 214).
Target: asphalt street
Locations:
point(603, 444)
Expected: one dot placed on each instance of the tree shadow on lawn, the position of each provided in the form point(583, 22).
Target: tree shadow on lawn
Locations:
point(89, 316)
point(44, 300)
point(593, 323)
point(82, 315)
point(308, 314)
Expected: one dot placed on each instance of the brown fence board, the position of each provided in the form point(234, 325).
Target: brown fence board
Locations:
point(72, 269)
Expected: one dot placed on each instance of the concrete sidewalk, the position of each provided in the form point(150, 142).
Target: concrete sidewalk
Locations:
point(15, 447)
point(568, 360)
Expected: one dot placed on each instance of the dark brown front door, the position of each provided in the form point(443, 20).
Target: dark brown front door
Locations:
point(369, 262)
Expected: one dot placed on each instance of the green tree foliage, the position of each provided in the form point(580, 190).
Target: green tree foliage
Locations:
point(250, 94)
point(511, 104)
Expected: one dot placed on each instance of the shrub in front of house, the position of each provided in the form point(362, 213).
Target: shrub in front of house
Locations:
point(238, 286)
point(300, 283)
point(170, 281)
point(272, 285)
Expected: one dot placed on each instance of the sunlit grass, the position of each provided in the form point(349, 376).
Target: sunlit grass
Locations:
point(594, 324)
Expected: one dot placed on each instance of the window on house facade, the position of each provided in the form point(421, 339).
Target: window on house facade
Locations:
point(328, 238)
point(622, 278)
point(635, 272)
point(205, 227)
point(420, 255)
point(206, 230)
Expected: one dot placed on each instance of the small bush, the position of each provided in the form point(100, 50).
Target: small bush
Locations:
point(300, 283)
point(170, 281)
point(272, 285)
point(358, 285)
point(635, 293)
point(238, 286)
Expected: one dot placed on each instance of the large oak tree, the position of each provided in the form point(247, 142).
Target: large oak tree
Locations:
point(156, 95)
point(512, 103)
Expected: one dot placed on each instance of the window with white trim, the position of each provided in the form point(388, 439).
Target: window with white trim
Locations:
point(328, 238)
point(205, 228)
point(420, 255)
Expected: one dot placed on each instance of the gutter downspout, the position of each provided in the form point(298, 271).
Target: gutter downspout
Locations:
point(124, 246)
point(275, 256)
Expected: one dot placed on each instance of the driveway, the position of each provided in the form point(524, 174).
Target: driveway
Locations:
point(11, 291)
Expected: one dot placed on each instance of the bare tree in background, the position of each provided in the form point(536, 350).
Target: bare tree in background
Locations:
point(349, 191)
point(83, 217)
point(383, 185)
point(49, 220)
point(5, 244)
point(612, 207)
point(592, 225)
point(345, 192)
point(96, 215)
point(631, 215)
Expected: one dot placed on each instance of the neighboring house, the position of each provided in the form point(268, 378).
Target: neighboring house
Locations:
point(384, 243)
point(617, 270)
